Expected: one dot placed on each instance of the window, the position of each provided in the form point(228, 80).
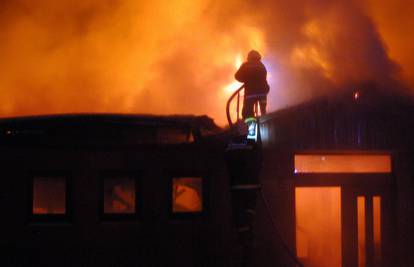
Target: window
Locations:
point(187, 195)
point(369, 208)
point(119, 194)
point(49, 196)
point(361, 231)
point(320, 163)
point(376, 201)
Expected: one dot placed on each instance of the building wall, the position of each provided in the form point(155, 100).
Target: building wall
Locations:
point(336, 127)
point(155, 238)
point(404, 170)
point(270, 247)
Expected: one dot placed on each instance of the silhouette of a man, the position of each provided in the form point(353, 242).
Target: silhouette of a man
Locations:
point(253, 74)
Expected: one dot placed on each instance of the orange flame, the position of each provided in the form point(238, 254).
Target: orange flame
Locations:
point(179, 56)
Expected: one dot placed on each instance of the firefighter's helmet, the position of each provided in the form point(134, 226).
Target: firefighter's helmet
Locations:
point(253, 55)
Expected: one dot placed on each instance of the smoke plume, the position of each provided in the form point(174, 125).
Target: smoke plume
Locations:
point(170, 57)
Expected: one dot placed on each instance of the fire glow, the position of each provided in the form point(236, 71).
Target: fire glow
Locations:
point(233, 86)
point(180, 56)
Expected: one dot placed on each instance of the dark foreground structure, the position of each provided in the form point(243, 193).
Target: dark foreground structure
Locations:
point(110, 190)
point(113, 190)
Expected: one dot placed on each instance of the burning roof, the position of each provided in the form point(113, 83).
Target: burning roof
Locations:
point(168, 57)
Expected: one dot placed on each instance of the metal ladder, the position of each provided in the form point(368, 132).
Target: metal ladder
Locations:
point(244, 163)
point(243, 158)
point(238, 128)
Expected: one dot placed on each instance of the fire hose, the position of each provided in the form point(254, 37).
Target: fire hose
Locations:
point(274, 227)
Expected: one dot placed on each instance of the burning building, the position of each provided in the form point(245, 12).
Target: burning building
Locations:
point(336, 175)
point(154, 190)
point(113, 190)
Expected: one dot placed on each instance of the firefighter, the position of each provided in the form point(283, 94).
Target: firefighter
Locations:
point(253, 74)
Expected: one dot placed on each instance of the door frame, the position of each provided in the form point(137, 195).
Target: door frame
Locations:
point(353, 185)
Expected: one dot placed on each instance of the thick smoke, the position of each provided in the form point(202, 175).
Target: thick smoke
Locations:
point(169, 57)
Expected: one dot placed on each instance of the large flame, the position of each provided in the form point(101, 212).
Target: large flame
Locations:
point(179, 56)
point(233, 85)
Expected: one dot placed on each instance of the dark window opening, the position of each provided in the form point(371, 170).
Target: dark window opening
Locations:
point(187, 195)
point(119, 196)
point(49, 196)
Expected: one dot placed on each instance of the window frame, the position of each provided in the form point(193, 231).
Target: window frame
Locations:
point(204, 194)
point(344, 155)
point(136, 177)
point(67, 216)
point(342, 178)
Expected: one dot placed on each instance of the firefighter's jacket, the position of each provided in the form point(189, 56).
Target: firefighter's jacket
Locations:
point(253, 74)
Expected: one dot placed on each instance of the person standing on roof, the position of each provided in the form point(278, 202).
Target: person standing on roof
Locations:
point(253, 74)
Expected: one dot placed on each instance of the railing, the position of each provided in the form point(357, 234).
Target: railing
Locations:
point(235, 94)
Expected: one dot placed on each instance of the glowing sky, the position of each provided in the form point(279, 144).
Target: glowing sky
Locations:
point(169, 57)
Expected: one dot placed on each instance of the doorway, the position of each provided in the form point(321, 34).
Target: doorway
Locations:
point(318, 226)
point(341, 217)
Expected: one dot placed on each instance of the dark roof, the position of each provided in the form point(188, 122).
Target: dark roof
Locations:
point(106, 129)
point(368, 99)
point(378, 120)
point(106, 118)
